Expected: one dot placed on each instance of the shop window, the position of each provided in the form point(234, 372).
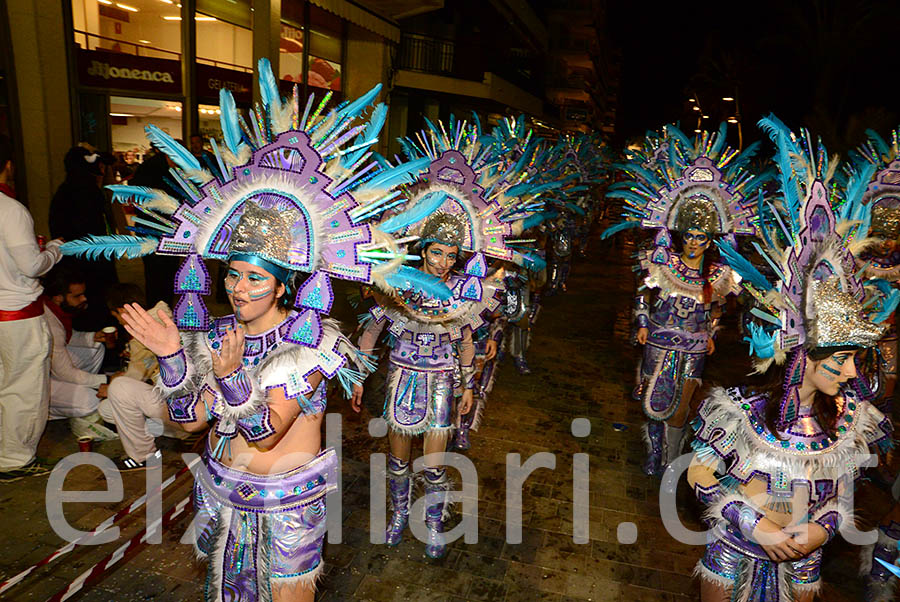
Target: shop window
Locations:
point(128, 117)
point(210, 127)
point(290, 64)
point(325, 50)
point(149, 28)
point(224, 34)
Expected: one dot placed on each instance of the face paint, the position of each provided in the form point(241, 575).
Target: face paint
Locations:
point(833, 371)
point(248, 288)
point(695, 242)
point(439, 259)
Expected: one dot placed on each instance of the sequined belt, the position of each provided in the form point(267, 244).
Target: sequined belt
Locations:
point(32, 310)
point(272, 493)
point(678, 339)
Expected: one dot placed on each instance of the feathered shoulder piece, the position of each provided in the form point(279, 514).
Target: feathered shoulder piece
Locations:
point(294, 186)
point(731, 427)
point(674, 278)
point(676, 184)
point(413, 316)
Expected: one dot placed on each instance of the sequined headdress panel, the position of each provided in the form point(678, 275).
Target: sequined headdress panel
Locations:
point(445, 228)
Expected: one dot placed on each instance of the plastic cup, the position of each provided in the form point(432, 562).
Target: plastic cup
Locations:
point(109, 330)
point(85, 444)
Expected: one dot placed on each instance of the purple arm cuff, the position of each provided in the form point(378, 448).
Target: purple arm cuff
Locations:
point(236, 387)
point(642, 321)
point(742, 516)
point(173, 368)
point(831, 522)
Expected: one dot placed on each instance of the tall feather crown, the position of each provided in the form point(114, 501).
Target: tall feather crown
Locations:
point(675, 184)
point(817, 300)
point(297, 187)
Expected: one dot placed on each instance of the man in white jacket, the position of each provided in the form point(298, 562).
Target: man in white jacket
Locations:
point(24, 335)
point(77, 356)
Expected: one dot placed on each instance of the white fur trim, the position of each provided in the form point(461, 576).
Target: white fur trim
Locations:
point(723, 418)
point(307, 581)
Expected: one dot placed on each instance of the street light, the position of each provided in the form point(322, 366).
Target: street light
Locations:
point(727, 98)
point(696, 108)
point(732, 120)
point(706, 117)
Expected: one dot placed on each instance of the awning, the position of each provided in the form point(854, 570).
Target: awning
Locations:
point(362, 17)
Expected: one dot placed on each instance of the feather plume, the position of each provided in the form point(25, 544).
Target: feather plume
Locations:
point(373, 129)
point(115, 245)
point(398, 174)
point(422, 209)
point(179, 155)
point(150, 198)
point(742, 266)
point(228, 119)
point(720, 140)
point(268, 87)
point(879, 143)
point(612, 230)
point(411, 279)
point(677, 134)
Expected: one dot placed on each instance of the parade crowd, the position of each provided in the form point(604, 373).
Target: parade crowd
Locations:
point(451, 248)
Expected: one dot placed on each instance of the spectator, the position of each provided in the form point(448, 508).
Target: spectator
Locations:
point(207, 161)
point(78, 209)
point(76, 356)
point(132, 403)
point(24, 336)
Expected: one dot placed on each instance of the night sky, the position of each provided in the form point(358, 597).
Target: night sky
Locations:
point(831, 66)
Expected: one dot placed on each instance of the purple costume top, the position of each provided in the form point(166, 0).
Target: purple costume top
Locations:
point(273, 359)
point(424, 364)
point(803, 459)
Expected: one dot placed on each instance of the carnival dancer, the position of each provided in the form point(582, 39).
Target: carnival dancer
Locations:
point(285, 202)
point(875, 202)
point(696, 190)
point(776, 459)
point(448, 213)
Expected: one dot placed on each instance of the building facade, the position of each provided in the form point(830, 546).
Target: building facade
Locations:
point(99, 71)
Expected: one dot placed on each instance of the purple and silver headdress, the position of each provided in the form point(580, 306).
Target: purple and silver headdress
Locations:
point(294, 191)
point(679, 185)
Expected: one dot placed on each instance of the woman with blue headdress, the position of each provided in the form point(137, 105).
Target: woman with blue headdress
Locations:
point(287, 211)
point(464, 201)
point(692, 190)
point(776, 459)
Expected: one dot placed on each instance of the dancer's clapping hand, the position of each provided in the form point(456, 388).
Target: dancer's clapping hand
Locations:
point(160, 338)
point(227, 358)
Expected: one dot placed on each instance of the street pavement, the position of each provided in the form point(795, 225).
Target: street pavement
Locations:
point(583, 367)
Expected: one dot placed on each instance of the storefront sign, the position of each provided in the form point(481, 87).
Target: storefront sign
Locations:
point(211, 79)
point(104, 69)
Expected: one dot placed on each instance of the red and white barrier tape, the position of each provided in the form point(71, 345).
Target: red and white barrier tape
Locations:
point(101, 567)
point(11, 582)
